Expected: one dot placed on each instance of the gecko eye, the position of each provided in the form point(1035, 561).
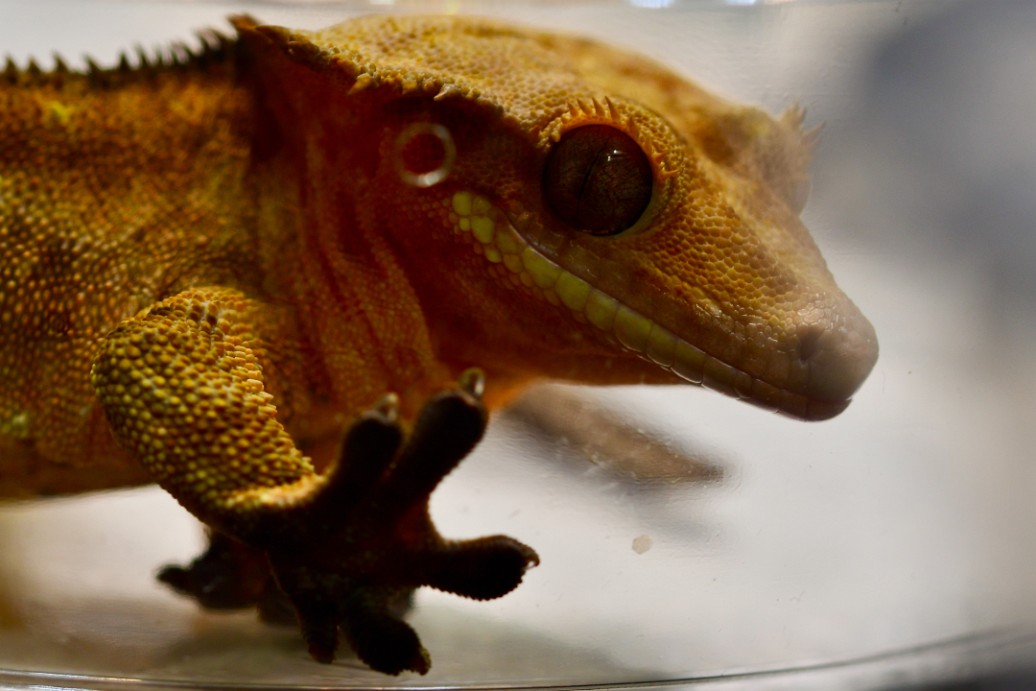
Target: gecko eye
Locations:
point(597, 179)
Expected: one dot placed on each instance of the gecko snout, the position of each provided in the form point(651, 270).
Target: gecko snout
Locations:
point(836, 356)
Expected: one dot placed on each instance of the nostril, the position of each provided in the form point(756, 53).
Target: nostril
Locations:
point(809, 341)
point(834, 358)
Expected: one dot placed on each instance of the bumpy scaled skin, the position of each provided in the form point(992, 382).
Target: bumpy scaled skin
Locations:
point(259, 273)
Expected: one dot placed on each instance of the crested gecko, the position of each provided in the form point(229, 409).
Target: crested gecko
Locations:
point(285, 275)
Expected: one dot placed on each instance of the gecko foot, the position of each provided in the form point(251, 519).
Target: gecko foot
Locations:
point(227, 575)
point(365, 540)
point(231, 575)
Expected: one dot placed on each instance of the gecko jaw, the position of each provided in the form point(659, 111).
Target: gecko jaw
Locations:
point(498, 241)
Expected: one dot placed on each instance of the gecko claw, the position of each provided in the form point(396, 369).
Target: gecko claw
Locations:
point(388, 406)
point(473, 382)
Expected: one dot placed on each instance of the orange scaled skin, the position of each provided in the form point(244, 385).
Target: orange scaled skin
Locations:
point(211, 269)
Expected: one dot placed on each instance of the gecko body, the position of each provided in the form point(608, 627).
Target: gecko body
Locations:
point(285, 276)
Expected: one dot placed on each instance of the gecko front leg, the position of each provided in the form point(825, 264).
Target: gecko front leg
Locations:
point(379, 542)
point(185, 388)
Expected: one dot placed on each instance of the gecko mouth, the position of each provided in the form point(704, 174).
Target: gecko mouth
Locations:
point(498, 241)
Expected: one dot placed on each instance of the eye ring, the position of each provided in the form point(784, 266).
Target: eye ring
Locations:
point(598, 180)
point(424, 154)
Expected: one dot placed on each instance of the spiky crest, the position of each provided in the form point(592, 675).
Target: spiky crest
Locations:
point(214, 48)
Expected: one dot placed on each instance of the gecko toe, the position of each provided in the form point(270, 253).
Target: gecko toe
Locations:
point(447, 429)
point(483, 568)
point(370, 445)
point(228, 575)
point(384, 642)
point(320, 631)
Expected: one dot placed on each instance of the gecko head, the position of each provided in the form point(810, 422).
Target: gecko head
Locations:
point(656, 223)
point(681, 212)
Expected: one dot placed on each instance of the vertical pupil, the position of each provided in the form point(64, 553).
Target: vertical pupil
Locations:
point(598, 180)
